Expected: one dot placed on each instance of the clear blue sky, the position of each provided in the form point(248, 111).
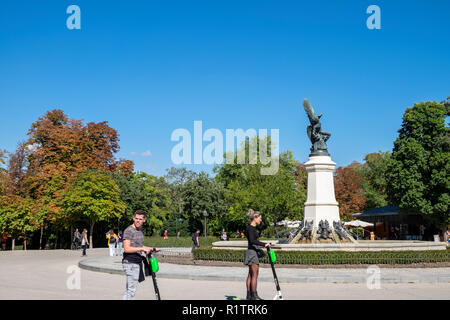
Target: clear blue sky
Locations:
point(149, 67)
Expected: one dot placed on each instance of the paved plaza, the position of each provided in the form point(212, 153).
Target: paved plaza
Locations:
point(44, 275)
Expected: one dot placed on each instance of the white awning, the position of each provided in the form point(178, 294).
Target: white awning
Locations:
point(358, 223)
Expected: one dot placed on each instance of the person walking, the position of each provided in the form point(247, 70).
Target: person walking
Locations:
point(223, 236)
point(112, 239)
point(196, 243)
point(253, 254)
point(133, 246)
point(84, 242)
point(119, 249)
point(4, 238)
point(166, 237)
point(76, 239)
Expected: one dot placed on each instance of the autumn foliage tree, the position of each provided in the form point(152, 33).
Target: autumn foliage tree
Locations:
point(348, 185)
point(64, 147)
point(59, 149)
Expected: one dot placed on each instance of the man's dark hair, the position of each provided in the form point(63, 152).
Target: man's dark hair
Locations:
point(140, 212)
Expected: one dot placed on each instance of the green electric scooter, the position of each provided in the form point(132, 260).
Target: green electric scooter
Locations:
point(273, 259)
point(154, 267)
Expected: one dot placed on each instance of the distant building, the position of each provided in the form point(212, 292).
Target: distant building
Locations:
point(390, 224)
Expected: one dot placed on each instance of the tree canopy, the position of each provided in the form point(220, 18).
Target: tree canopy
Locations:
point(348, 184)
point(92, 196)
point(276, 196)
point(418, 172)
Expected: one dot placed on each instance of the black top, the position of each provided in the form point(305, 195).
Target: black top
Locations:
point(252, 237)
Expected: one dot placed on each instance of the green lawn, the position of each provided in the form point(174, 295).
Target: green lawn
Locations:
point(158, 241)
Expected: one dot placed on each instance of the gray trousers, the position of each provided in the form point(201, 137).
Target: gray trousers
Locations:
point(132, 273)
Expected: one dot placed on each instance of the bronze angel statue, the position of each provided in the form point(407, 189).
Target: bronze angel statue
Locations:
point(315, 134)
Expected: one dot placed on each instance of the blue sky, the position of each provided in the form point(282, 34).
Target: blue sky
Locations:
point(150, 67)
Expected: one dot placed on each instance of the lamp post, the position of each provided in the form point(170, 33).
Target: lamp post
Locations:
point(205, 214)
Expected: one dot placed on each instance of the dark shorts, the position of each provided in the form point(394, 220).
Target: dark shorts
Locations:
point(251, 257)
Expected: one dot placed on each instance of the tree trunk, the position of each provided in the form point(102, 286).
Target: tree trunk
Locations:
point(13, 243)
point(40, 238)
point(56, 240)
point(275, 227)
point(91, 245)
point(25, 243)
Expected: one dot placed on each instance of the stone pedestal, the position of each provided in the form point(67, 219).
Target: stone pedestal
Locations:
point(321, 202)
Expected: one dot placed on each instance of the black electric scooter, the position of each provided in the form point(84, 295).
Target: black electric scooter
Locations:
point(272, 259)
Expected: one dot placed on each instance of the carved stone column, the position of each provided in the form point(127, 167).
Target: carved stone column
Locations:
point(321, 202)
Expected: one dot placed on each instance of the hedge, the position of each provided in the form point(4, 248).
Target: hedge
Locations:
point(329, 257)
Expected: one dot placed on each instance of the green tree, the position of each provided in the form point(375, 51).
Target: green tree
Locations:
point(373, 172)
point(278, 196)
point(176, 179)
point(17, 218)
point(92, 196)
point(146, 192)
point(199, 193)
point(418, 172)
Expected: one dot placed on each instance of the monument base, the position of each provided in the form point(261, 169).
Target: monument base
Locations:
point(321, 223)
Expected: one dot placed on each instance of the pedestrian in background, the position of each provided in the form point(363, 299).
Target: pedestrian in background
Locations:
point(4, 238)
point(119, 250)
point(223, 235)
point(195, 237)
point(84, 241)
point(76, 239)
point(112, 239)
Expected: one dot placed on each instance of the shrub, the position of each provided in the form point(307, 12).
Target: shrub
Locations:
point(329, 257)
